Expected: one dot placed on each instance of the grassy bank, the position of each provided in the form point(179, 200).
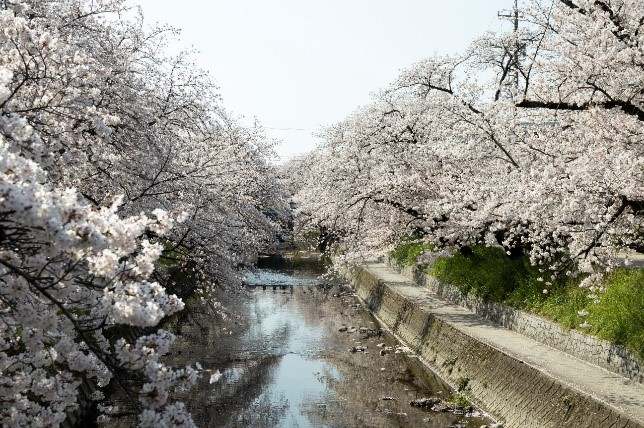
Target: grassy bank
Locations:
point(407, 253)
point(616, 315)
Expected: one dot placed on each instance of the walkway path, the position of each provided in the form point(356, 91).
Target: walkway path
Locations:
point(622, 394)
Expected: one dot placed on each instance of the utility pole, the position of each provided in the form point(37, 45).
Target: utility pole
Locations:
point(514, 15)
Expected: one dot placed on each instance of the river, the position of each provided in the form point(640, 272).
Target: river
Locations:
point(298, 351)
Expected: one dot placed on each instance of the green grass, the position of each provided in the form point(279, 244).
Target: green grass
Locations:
point(409, 250)
point(619, 315)
point(488, 272)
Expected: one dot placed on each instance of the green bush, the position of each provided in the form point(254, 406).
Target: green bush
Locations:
point(619, 315)
point(489, 273)
point(408, 251)
point(563, 305)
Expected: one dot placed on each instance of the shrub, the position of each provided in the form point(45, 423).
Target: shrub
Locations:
point(408, 251)
point(619, 314)
point(489, 273)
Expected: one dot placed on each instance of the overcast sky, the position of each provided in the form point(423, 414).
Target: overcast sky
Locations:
point(298, 65)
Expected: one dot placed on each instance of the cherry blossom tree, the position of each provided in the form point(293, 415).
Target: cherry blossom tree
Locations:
point(148, 126)
point(529, 139)
point(112, 155)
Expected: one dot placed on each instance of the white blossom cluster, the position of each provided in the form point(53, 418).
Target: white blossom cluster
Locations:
point(69, 271)
point(123, 185)
point(530, 140)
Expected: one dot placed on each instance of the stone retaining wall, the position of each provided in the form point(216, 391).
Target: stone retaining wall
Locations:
point(516, 393)
point(614, 358)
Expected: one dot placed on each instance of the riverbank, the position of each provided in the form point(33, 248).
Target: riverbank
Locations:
point(519, 380)
point(608, 355)
point(604, 328)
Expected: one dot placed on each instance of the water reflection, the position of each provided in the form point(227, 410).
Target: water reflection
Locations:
point(301, 382)
point(284, 363)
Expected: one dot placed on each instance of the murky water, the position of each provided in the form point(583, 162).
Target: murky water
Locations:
point(283, 361)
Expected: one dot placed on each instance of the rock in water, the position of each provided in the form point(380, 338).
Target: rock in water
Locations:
point(425, 402)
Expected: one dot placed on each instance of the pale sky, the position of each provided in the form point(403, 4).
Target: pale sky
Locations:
point(298, 65)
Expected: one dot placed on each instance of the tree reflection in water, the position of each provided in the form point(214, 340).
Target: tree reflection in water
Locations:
point(284, 363)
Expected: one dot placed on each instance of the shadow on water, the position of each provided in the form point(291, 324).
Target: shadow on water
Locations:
point(303, 353)
point(296, 261)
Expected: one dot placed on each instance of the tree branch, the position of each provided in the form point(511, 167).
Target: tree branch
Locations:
point(626, 106)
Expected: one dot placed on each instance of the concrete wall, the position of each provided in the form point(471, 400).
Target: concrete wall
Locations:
point(518, 394)
point(612, 357)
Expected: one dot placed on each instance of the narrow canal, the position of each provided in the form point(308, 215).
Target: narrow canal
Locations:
point(298, 351)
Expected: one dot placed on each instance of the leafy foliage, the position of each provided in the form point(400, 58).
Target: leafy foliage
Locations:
point(489, 273)
point(407, 253)
point(618, 316)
